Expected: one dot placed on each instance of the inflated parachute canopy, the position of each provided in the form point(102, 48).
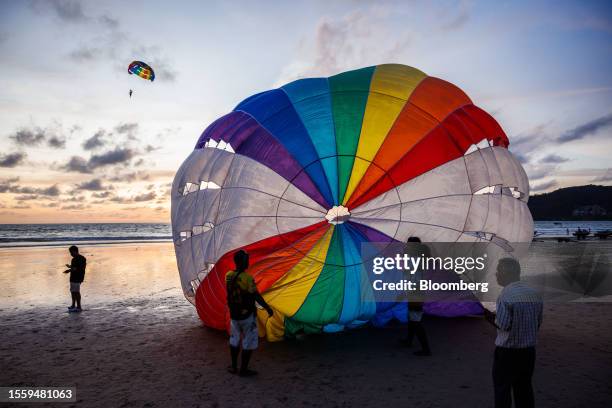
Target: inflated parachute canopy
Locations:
point(142, 70)
point(302, 175)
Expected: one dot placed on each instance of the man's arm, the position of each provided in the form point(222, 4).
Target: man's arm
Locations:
point(503, 318)
point(259, 299)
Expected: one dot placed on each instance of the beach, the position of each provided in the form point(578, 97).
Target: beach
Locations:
point(139, 342)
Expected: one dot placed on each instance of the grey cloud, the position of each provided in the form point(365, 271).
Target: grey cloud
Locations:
point(74, 207)
point(56, 142)
point(11, 186)
point(132, 176)
point(103, 194)
point(458, 21)
point(554, 159)
point(6, 185)
point(116, 156)
point(120, 200)
point(108, 21)
point(539, 171)
point(66, 10)
point(93, 185)
point(607, 176)
point(52, 191)
point(84, 53)
point(27, 197)
point(28, 137)
point(544, 186)
point(95, 141)
point(586, 129)
point(145, 197)
point(126, 128)
point(12, 159)
point(77, 164)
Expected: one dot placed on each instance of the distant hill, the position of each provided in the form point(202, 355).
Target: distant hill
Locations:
point(573, 203)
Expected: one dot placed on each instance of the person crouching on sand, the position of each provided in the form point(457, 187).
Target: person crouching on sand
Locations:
point(518, 319)
point(241, 297)
point(77, 275)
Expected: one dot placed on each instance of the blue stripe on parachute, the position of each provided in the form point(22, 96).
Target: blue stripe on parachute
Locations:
point(311, 99)
point(274, 111)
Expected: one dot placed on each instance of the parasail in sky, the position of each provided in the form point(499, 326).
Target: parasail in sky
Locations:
point(142, 70)
point(302, 175)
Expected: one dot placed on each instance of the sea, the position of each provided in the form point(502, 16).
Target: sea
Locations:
point(12, 235)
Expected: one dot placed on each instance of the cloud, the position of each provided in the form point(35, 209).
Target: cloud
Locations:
point(11, 186)
point(28, 137)
point(52, 191)
point(116, 156)
point(459, 20)
point(77, 164)
point(56, 142)
point(95, 141)
point(12, 159)
point(93, 185)
point(7, 184)
point(132, 176)
point(84, 53)
point(145, 197)
point(607, 176)
point(21, 206)
point(586, 129)
point(27, 197)
point(536, 171)
point(554, 159)
point(36, 136)
point(74, 207)
point(108, 21)
point(126, 128)
point(119, 155)
point(103, 194)
point(544, 186)
point(69, 11)
point(352, 41)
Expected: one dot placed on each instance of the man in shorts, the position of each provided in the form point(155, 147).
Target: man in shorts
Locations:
point(241, 297)
point(76, 269)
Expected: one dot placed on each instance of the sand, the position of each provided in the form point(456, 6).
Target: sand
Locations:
point(143, 345)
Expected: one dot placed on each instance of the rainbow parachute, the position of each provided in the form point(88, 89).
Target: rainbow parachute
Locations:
point(142, 70)
point(302, 175)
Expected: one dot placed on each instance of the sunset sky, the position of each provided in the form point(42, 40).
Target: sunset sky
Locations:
point(75, 148)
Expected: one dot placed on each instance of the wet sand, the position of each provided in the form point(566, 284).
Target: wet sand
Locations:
point(143, 345)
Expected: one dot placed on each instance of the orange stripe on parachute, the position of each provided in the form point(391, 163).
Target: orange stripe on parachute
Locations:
point(431, 102)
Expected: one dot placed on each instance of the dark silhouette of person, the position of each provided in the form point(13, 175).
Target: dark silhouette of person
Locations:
point(241, 297)
point(518, 318)
point(131, 93)
point(415, 310)
point(76, 269)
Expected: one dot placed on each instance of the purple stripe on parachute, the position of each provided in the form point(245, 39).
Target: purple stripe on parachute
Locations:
point(371, 234)
point(248, 138)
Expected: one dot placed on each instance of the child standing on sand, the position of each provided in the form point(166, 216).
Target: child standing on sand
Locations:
point(77, 275)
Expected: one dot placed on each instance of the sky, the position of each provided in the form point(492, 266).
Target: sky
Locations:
point(75, 148)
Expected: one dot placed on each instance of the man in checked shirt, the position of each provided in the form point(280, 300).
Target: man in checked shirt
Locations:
point(518, 319)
